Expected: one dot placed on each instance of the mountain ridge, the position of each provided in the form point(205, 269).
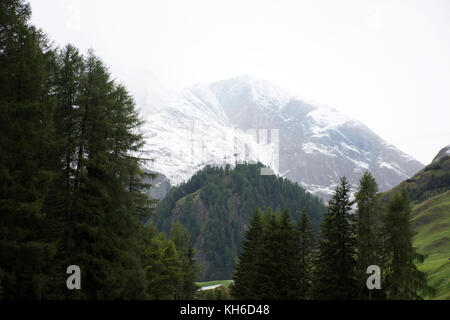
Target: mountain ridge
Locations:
point(234, 120)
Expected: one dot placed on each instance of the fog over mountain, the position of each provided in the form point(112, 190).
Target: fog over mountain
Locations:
point(247, 119)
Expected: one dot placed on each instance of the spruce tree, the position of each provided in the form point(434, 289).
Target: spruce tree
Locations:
point(246, 285)
point(306, 244)
point(285, 251)
point(335, 263)
point(268, 266)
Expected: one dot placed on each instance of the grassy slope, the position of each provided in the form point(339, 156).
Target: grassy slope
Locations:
point(431, 220)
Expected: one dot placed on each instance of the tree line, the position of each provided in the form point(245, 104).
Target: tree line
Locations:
point(287, 260)
point(72, 184)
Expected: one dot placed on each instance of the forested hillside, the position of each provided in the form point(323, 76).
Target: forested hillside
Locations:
point(216, 205)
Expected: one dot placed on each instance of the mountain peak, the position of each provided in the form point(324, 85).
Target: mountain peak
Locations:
point(444, 152)
point(246, 89)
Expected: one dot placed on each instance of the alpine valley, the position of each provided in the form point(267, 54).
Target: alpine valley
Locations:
point(235, 189)
point(201, 143)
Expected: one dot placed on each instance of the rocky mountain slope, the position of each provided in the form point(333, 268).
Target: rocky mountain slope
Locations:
point(244, 119)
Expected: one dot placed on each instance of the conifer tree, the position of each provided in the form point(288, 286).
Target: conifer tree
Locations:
point(246, 285)
point(335, 263)
point(267, 268)
point(306, 244)
point(189, 269)
point(72, 187)
point(26, 141)
point(67, 86)
point(369, 231)
point(283, 247)
point(402, 280)
point(107, 200)
point(165, 272)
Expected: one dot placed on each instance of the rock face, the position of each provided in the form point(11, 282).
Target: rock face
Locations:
point(160, 186)
point(444, 152)
point(244, 119)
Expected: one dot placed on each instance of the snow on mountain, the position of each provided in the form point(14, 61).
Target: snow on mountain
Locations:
point(194, 131)
point(246, 119)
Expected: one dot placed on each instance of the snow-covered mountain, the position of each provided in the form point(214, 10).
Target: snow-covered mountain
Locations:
point(246, 119)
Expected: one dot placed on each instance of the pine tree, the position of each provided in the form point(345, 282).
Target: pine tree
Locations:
point(306, 244)
point(369, 231)
point(335, 263)
point(245, 276)
point(402, 280)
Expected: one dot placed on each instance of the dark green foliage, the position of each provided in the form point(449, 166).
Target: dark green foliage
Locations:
point(268, 267)
point(73, 191)
point(335, 264)
point(369, 232)
point(402, 279)
point(279, 257)
point(181, 238)
point(170, 268)
point(25, 147)
point(216, 204)
point(246, 276)
point(280, 261)
point(306, 244)
point(72, 187)
point(103, 196)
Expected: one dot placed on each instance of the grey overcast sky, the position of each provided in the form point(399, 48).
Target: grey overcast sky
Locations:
point(385, 63)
